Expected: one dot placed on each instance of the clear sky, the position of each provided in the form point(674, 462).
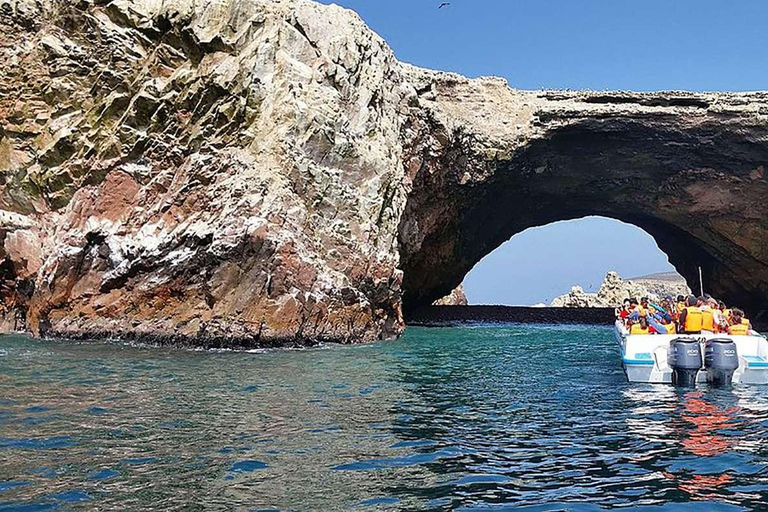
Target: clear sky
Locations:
point(695, 45)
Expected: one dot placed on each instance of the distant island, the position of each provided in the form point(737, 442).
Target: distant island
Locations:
point(611, 293)
point(614, 290)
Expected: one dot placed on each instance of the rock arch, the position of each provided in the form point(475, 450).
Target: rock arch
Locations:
point(249, 172)
point(687, 168)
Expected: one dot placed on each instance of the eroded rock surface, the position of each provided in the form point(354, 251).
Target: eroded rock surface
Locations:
point(457, 297)
point(487, 162)
point(256, 172)
point(202, 170)
point(577, 298)
point(614, 290)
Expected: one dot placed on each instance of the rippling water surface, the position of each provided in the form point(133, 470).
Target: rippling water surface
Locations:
point(475, 418)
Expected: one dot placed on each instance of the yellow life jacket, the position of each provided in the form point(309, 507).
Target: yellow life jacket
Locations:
point(745, 321)
point(680, 307)
point(727, 314)
point(636, 329)
point(671, 329)
point(738, 330)
point(707, 320)
point(693, 319)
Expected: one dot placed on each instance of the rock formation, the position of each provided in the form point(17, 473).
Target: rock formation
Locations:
point(687, 168)
point(661, 285)
point(614, 290)
point(252, 172)
point(457, 297)
point(204, 171)
point(577, 298)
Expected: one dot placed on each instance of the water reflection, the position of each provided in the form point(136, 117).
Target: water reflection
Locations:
point(708, 420)
point(708, 432)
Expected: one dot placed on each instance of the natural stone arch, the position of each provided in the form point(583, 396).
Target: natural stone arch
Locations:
point(686, 168)
point(250, 172)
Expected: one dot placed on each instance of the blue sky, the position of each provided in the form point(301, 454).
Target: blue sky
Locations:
point(577, 44)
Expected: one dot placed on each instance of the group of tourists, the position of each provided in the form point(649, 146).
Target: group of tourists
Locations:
point(686, 315)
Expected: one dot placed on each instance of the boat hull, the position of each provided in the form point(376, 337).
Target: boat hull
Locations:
point(644, 357)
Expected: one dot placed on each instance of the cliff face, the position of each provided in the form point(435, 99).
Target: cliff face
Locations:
point(262, 171)
point(208, 169)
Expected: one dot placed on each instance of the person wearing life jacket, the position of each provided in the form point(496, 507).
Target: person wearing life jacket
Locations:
point(725, 311)
point(744, 319)
point(640, 327)
point(707, 315)
point(691, 317)
point(717, 317)
point(725, 317)
point(680, 305)
point(643, 308)
point(738, 327)
point(660, 318)
point(646, 311)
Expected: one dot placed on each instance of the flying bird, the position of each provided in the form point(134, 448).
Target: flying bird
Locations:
point(444, 4)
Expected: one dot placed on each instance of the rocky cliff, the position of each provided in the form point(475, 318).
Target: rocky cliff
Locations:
point(204, 171)
point(255, 172)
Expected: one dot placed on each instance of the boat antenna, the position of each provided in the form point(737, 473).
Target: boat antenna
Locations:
point(701, 282)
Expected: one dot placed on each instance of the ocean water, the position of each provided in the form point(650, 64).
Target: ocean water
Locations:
point(473, 418)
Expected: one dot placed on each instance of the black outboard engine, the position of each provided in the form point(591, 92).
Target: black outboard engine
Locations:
point(684, 357)
point(721, 359)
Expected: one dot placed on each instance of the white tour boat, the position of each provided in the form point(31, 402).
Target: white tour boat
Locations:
point(685, 359)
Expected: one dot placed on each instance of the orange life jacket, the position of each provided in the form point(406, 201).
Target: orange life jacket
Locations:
point(693, 319)
point(738, 330)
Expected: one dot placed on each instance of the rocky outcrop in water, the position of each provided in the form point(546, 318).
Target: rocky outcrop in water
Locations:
point(457, 297)
point(260, 172)
point(577, 298)
point(613, 290)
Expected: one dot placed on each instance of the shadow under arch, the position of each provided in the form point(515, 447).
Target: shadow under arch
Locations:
point(696, 187)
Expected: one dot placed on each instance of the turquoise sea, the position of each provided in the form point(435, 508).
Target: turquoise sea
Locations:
point(504, 417)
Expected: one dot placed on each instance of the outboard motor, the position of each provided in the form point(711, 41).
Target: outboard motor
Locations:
point(684, 357)
point(721, 359)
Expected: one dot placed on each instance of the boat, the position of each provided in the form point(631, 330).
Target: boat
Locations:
point(655, 358)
